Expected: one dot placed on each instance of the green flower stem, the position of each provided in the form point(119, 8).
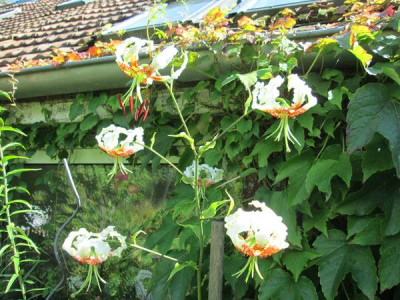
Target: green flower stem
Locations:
point(154, 252)
point(230, 126)
point(203, 73)
point(228, 181)
point(313, 63)
point(160, 156)
point(10, 225)
point(201, 236)
point(169, 88)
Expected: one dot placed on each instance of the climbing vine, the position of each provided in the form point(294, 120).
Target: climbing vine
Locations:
point(337, 190)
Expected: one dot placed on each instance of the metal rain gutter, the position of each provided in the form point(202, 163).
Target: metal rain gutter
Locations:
point(104, 74)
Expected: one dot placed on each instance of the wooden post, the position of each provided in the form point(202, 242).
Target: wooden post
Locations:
point(215, 283)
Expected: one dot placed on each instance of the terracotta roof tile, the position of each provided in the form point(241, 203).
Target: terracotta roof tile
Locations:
point(32, 33)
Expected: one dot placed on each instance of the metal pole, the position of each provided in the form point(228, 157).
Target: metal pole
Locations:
point(57, 255)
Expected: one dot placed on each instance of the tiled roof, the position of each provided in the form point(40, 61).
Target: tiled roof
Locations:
point(32, 33)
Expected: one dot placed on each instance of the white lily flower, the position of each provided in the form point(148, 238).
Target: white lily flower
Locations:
point(127, 53)
point(93, 248)
point(206, 174)
point(127, 58)
point(37, 217)
point(111, 140)
point(164, 58)
point(119, 142)
point(264, 232)
point(301, 91)
point(266, 98)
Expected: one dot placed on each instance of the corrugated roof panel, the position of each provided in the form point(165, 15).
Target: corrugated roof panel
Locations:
point(191, 10)
point(9, 12)
point(265, 5)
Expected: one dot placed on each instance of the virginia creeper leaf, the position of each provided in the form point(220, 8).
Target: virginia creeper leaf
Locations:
point(376, 157)
point(280, 204)
point(231, 266)
point(75, 109)
point(368, 233)
point(340, 258)
point(163, 237)
point(280, 285)
point(89, 122)
point(373, 110)
point(263, 149)
point(391, 70)
point(378, 192)
point(296, 169)
point(297, 261)
point(332, 163)
point(389, 263)
point(95, 102)
point(318, 219)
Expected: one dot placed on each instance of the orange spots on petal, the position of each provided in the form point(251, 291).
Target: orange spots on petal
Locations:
point(292, 112)
point(258, 251)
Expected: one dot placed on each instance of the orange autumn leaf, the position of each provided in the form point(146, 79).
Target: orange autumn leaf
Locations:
point(289, 22)
point(356, 29)
point(95, 51)
point(325, 41)
point(59, 59)
point(216, 16)
point(286, 22)
point(246, 23)
point(287, 12)
point(73, 56)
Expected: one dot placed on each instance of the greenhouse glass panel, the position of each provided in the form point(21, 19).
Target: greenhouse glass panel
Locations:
point(192, 10)
point(264, 5)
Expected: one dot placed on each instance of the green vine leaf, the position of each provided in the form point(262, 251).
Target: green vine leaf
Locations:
point(371, 234)
point(89, 122)
point(263, 149)
point(373, 110)
point(163, 237)
point(296, 261)
point(231, 264)
point(389, 264)
point(5, 95)
point(280, 204)
point(179, 267)
point(76, 108)
point(248, 81)
point(395, 21)
point(377, 157)
point(11, 282)
point(211, 211)
point(363, 56)
point(329, 167)
point(225, 79)
point(180, 284)
point(378, 192)
point(296, 169)
point(279, 285)
point(95, 102)
point(318, 220)
point(340, 258)
point(390, 69)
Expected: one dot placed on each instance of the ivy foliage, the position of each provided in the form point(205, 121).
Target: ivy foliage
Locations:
point(337, 191)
